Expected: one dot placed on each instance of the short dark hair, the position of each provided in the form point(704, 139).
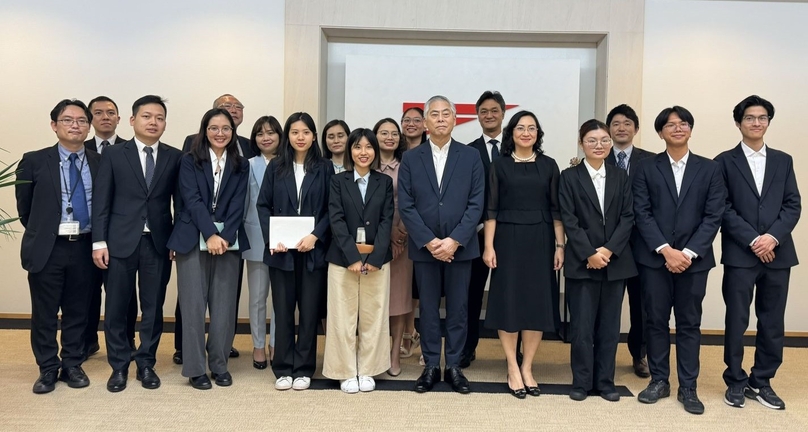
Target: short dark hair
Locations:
point(754, 100)
point(627, 111)
point(273, 124)
point(149, 99)
point(64, 103)
point(402, 142)
point(591, 125)
point(103, 99)
point(336, 122)
point(507, 134)
point(286, 154)
point(681, 112)
point(490, 95)
point(354, 139)
point(201, 144)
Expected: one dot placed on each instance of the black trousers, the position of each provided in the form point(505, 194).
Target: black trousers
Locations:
point(94, 315)
point(64, 283)
point(178, 312)
point(595, 308)
point(637, 333)
point(152, 269)
point(770, 306)
point(684, 292)
point(306, 290)
point(479, 277)
point(453, 279)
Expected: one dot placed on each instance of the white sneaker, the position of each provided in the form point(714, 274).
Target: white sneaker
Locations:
point(301, 383)
point(366, 383)
point(349, 386)
point(283, 383)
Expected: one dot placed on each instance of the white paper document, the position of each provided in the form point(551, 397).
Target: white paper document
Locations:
point(289, 230)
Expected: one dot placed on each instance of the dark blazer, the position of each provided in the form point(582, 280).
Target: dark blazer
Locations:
point(348, 212)
point(584, 223)
point(194, 211)
point(637, 154)
point(453, 210)
point(243, 143)
point(749, 214)
point(122, 203)
point(90, 143)
point(690, 220)
point(485, 158)
point(278, 197)
point(39, 203)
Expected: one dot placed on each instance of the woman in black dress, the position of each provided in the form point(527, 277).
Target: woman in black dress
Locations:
point(524, 245)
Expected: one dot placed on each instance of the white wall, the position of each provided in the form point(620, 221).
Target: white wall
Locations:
point(709, 55)
point(189, 52)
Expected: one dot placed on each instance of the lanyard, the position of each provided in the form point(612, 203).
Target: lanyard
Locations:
point(70, 191)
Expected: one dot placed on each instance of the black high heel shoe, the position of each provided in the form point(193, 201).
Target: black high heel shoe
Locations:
point(259, 364)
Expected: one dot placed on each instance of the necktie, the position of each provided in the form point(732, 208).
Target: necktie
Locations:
point(78, 199)
point(149, 165)
point(104, 145)
point(494, 150)
point(621, 160)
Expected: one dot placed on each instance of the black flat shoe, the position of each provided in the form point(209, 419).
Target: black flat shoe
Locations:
point(201, 382)
point(578, 394)
point(177, 358)
point(259, 364)
point(533, 391)
point(234, 352)
point(519, 393)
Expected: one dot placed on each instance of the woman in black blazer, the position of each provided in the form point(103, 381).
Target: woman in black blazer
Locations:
point(360, 207)
point(296, 183)
point(596, 210)
point(208, 238)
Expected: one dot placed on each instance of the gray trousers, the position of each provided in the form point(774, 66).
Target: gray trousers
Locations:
point(207, 282)
point(258, 283)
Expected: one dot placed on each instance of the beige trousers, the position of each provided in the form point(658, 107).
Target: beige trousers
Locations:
point(357, 302)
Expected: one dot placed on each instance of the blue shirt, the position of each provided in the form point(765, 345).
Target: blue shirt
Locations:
point(362, 182)
point(64, 181)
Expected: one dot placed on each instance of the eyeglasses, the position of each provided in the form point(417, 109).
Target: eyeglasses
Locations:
point(681, 125)
point(215, 130)
point(413, 120)
point(386, 134)
point(764, 120)
point(530, 129)
point(592, 143)
point(67, 122)
point(227, 106)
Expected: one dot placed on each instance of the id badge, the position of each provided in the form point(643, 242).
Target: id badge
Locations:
point(69, 228)
point(360, 235)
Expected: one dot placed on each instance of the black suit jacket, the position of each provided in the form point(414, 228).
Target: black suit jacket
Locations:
point(90, 143)
point(122, 203)
point(39, 203)
point(588, 228)
point(453, 210)
point(689, 220)
point(278, 197)
point(637, 154)
point(748, 214)
point(348, 212)
point(194, 210)
point(485, 158)
point(243, 143)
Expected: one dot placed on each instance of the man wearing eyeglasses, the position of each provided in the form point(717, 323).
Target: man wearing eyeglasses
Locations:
point(763, 207)
point(679, 200)
point(54, 202)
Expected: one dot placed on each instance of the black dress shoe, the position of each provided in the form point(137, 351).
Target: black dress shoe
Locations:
point(201, 382)
point(74, 377)
point(259, 364)
point(655, 391)
point(428, 378)
point(689, 398)
point(467, 358)
point(222, 379)
point(454, 376)
point(148, 378)
point(578, 394)
point(610, 395)
point(46, 382)
point(533, 391)
point(641, 368)
point(93, 348)
point(177, 358)
point(234, 352)
point(117, 381)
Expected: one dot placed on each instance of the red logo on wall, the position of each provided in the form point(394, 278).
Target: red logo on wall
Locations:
point(465, 112)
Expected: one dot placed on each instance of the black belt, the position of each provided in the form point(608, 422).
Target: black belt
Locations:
point(75, 237)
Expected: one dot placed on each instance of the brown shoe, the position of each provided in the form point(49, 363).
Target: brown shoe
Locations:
point(641, 368)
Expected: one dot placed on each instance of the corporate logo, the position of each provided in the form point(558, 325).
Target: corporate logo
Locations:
point(466, 112)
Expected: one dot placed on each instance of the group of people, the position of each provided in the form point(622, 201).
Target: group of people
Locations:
point(393, 220)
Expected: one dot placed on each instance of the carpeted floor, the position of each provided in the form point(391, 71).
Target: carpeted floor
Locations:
point(252, 404)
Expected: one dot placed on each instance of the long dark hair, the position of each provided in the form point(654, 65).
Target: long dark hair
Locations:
point(336, 122)
point(507, 135)
point(273, 124)
point(421, 113)
point(286, 154)
point(402, 141)
point(201, 145)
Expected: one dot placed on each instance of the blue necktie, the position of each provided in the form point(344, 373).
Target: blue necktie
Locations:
point(621, 160)
point(494, 150)
point(149, 166)
point(78, 198)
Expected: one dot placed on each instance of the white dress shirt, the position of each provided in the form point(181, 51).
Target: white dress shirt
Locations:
point(598, 177)
point(99, 140)
point(300, 174)
point(678, 175)
point(362, 182)
point(217, 167)
point(439, 156)
point(757, 164)
point(489, 146)
point(629, 148)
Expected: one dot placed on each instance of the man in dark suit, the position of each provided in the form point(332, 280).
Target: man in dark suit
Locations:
point(679, 200)
point(54, 199)
point(763, 207)
point(105, 122)
point(440, 199)
point(490, 113)
point(623, 126)
point(133, 194)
